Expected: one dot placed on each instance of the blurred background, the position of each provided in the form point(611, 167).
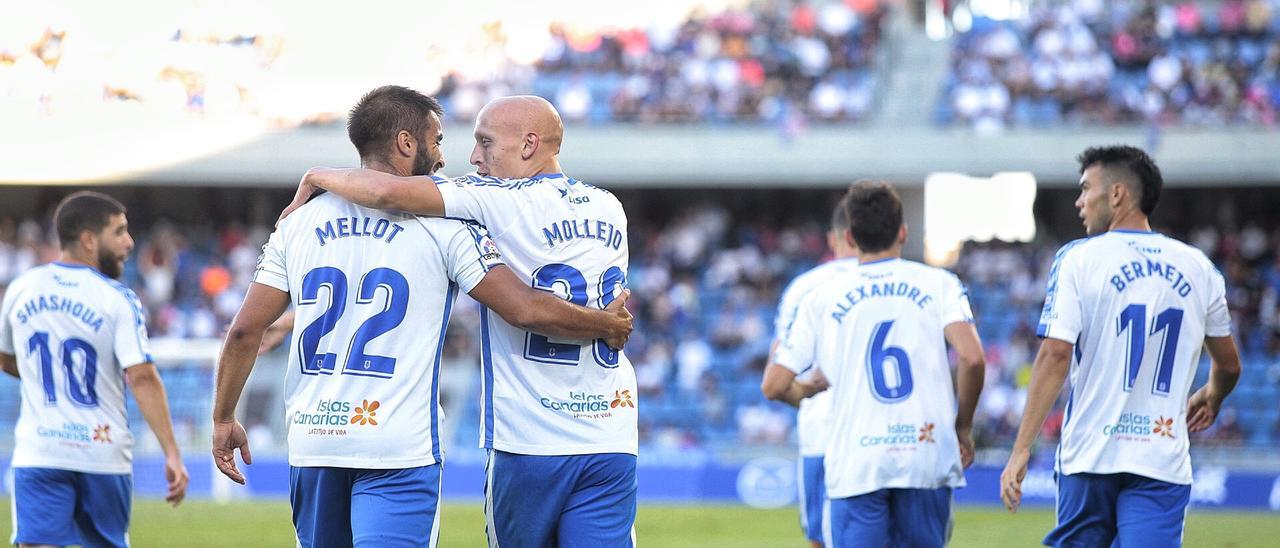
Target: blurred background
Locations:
point(727, 128)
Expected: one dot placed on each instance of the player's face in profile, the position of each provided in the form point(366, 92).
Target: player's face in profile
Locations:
point(493, 148)
point(429, 158)
point(1095, 210)
point(114, 245)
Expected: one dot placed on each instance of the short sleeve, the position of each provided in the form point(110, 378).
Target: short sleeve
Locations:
point(131, 344)
point(1217, 319)
point(955, 303)
point(788, 305)
point(469, 253)
point(271, 271)
point(1062, 315)
point(490, 201)
point(798, 349)
point(6, 325)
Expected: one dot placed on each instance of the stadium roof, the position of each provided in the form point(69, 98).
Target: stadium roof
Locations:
point(709, 156)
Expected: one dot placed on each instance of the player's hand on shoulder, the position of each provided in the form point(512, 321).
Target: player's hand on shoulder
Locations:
point(175, 473)
point(227, 437)
point(305, 191)
point(623, 318)
point(1202, 410)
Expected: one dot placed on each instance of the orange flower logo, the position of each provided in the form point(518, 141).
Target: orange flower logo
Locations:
point(1164, 427)
point(926, 433)
point(365, 413)
point(622, 398)
point(102, 433)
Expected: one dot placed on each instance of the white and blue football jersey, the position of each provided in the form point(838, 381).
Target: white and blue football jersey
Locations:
point(373, 291)
point(74, 332)
point(1137, 306)
point(877, 335)
point(813, 417)
point(544, 396)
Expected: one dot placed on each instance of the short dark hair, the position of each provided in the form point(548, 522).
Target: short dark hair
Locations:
point(840, 215)
point(383, 112)
point(85, 210)
point(1136, 162)
point(875, 215)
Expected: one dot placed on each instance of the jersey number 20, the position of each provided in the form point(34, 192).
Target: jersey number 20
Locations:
point(540, 349)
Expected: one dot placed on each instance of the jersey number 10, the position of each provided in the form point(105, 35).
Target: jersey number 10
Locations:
point(82, 390)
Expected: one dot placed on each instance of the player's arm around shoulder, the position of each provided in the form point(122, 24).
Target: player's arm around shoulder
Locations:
point(148, 389)
point(372, 189)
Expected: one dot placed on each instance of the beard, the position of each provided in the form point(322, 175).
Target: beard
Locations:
point(110, 264)
point(424, 163)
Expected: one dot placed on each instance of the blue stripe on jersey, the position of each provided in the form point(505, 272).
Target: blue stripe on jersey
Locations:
point(140, 322)
point(486, 369)
point(1051, 293)
point(435, 375)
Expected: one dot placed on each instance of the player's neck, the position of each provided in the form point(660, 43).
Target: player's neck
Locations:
point(70, 256)
point(1130, 220)
point(385, 167)
point(894, 252)
point(550, 167)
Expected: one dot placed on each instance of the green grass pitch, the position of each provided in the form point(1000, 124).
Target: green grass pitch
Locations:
point(240, 524)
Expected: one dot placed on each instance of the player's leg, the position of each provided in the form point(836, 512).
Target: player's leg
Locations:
point(103, 504)
point(920, 518)
point(1086, 510)
point(396, 508)
point(600, 512)
point(813, 491)
point(858, 521)
point(321, 501)
point(44, 502)
point(523, 498)
point(1151, 512)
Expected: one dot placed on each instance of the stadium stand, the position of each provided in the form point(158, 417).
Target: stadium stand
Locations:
point(1191, 63)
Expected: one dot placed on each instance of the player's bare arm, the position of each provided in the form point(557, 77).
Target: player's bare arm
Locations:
point(373, 189)
point(9, 364)
point(277, 333)
point(1202, 409)
point(971, 367)
point(262, 306)
point(545, 314)
point(1053, 362)
point(149, 391)
point(780, 384)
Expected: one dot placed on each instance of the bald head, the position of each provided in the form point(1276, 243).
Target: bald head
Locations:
point(517, 136)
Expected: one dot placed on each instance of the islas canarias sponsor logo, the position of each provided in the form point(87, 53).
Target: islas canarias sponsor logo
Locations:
point(592, 406)
point(339, 413)
point(1134, 426)
point(902, 434)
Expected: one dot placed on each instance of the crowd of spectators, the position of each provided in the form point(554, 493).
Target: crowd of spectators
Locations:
point(1190, 62)
point(706, 286)
point(786, 61)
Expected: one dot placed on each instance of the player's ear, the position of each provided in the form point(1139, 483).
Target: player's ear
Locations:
point(89, 241)
point(530, 145)
point(404, 143)
point(902, 234)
